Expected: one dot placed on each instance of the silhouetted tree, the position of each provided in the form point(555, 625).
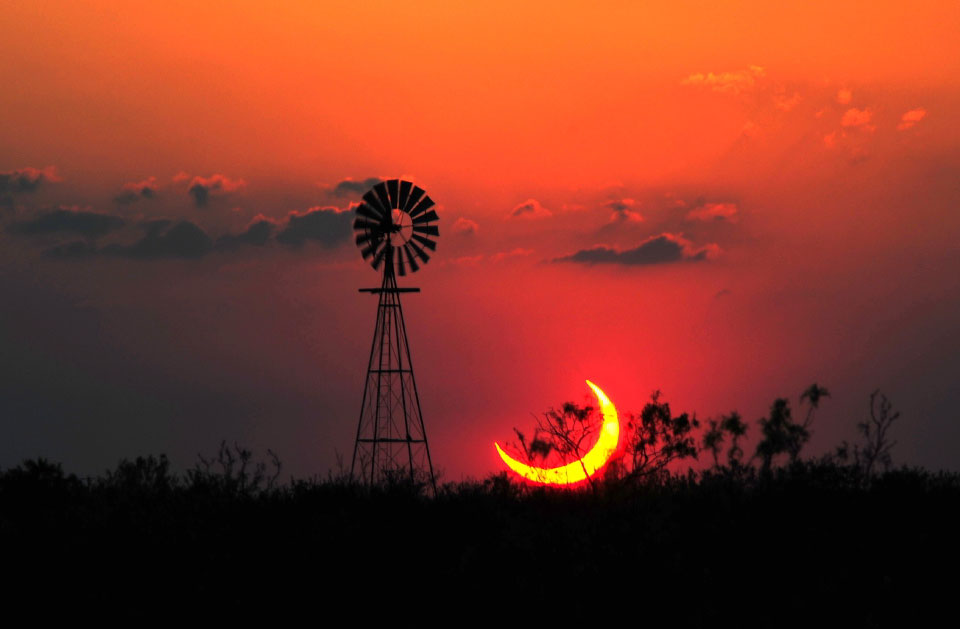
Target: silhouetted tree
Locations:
point(713, 440)
point(874, 430)
point(658, 438)
point(781, 435)
point(566, 432)
point(234, 472)
point(813, 394)
point(150, 475)
point(714, 437)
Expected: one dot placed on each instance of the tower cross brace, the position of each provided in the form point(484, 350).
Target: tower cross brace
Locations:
point(391, 439)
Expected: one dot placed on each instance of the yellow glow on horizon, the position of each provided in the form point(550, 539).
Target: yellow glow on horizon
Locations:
point(583, 468)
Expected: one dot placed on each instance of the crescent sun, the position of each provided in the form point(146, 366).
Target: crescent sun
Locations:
point(588, 464)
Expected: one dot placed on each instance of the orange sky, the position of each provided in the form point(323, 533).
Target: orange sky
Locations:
point(808, 150)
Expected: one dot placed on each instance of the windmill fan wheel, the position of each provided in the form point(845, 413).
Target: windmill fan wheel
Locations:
point(395, 225)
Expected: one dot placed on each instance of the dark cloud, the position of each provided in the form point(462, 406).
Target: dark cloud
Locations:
point(621, 211)
point(714, 212)
point(74, 249)
point(349, 187)
point(26, 179)
point(23, 180)
point(531, 208)
point(164, 239)
point(182, 240)
point(329, 226)
point(661, 249)
point(68, 220)
point(465, 226)
point(257, 234)
point(203, 189)
point(135, 191)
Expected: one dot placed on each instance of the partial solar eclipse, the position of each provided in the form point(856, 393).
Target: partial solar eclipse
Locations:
point(584, 467)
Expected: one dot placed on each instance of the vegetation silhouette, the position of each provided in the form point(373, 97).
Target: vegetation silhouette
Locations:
point(772, 540)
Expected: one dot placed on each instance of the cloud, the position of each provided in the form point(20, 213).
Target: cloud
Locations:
point(23, 180)
point(844, 96)
point(783, 102)
point(329, 226)
point(257, 234)
point(203, 189)
point(506, 255)
point(349, 187)
point(68, 220)
point(133, 192)
point(621, 212)
point(465, 260)
point(465, 227)
point(74, 249)
point(725, 212)
point(727, 82)
point(911, 118)
point(183, 240)
point(26, 179)
point(854, 117)
point(530, 209)
point(661, 249)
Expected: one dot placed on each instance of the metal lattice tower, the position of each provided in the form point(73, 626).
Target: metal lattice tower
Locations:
point(393, 228)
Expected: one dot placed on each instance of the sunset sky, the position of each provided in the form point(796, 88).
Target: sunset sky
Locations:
point(725, 201)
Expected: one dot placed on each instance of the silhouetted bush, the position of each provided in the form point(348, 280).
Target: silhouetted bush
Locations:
point(808, 542)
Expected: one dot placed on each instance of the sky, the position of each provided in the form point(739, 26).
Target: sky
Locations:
point(723, 201)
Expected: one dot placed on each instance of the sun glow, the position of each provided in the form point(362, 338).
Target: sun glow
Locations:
point(583, 468)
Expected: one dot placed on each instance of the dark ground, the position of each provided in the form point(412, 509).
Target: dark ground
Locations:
point(812, 544)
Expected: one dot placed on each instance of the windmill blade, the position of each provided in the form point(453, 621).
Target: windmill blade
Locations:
point(420, 252)
point(414, 267)
point(426, 242)
point(368, 251)
point(414, 197)
point(426, 218)
point(365, 210)
point(392, 191)
point(371, 198)
point(366, 237)
point(404, 193)
point(362, 223)
point(432, 230)
point(379, 259)
point(424, 205)
point(373, 226)
point(381, 190)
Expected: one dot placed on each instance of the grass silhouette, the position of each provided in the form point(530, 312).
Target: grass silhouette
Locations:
point(824, 540)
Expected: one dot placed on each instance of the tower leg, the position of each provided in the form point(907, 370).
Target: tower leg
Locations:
point(391, 441)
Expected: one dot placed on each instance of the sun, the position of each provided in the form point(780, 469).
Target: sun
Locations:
point(584, 467)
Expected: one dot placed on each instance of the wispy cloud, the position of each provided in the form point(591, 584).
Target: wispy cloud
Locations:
point(911, 118)
point(530, 209)
point(725, 212)
point(728, 82)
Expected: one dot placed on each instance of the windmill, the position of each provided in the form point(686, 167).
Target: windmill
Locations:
point(395, 225)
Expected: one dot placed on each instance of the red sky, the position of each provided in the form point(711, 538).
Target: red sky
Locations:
point(785, 175)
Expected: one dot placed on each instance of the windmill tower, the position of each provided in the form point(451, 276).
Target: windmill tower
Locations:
point(394, 226)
